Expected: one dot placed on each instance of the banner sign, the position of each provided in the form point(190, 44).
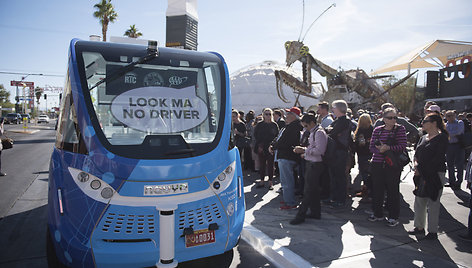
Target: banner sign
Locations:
point(157, 109)
point(14, 83)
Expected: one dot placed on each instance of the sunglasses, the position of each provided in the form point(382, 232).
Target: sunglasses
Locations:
point(391, 117)
point(268, 114)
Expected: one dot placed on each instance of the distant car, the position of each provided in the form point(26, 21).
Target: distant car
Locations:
point(13, 118)
point(43, 118)
point(27, 116)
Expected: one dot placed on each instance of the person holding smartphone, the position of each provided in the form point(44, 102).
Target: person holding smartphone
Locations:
point(391, 136)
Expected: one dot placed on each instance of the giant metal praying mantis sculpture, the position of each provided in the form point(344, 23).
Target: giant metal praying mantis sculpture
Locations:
point(354, 80)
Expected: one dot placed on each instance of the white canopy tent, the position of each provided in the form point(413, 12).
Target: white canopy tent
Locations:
point(433, 54)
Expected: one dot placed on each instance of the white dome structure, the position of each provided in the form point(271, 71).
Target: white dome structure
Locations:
point(254, 88)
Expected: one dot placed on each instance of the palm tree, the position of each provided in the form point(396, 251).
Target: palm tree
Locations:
point(106, 13)
point(132, 32)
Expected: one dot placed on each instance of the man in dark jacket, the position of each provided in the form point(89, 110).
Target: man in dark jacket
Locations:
point(340, 131)
point(288, 138)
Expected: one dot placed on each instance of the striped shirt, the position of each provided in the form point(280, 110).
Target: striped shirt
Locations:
point(382, 135)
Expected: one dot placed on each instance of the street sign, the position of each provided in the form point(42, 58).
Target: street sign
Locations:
point(14, 83)
point(26, 99)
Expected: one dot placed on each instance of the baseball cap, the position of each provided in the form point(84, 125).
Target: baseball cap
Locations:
point(434, 108)
point(294, 110)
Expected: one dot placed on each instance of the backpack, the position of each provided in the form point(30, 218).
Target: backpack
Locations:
point(329, 156)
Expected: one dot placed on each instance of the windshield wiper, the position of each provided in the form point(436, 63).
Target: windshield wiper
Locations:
point(151, 55)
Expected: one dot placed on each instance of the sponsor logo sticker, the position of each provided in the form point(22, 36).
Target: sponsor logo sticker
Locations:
point(165, 189)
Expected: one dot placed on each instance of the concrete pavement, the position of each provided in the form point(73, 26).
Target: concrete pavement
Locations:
point(345, 238)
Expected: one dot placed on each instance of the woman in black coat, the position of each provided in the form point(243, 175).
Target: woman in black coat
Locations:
point(430, 169)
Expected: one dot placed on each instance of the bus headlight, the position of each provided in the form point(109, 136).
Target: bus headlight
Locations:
point(224, 179)
point(107, 192)
point(95, 184)
point(92, 186)
point(222, 176)
point(83, 177)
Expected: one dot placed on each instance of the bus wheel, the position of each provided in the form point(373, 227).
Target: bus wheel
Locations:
point(53, 261)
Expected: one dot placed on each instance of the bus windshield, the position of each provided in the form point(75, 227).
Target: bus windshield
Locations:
point(166, 102)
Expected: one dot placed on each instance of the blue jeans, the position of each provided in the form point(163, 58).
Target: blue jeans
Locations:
point(455, 156)
point(287, 180)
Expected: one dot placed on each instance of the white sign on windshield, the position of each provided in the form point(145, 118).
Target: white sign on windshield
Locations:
point(160, 109)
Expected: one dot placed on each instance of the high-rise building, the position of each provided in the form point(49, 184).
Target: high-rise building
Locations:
point(182, 24)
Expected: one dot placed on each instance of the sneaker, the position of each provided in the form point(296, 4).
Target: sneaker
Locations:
point(431, 236)
point(3, 174)
point(297, 221)
point(392, 222)
point(286, 207)
point(372, 218)
point(416, 231)
point(465, 237)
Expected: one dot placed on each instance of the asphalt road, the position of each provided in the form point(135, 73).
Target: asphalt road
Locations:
point(23, 206)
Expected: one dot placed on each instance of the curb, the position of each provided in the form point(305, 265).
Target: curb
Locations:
point(23, 131)
point(274, 252)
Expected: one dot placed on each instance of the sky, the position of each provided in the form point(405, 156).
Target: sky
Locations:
point(366, 34)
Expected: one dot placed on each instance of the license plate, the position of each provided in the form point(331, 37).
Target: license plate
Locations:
point(200, 237)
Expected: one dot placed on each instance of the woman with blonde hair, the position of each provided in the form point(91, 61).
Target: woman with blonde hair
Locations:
point(362, 136)
point(264, 133)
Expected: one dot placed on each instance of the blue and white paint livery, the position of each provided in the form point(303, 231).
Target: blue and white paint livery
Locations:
point(142, 172)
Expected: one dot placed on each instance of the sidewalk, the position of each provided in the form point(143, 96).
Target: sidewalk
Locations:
point(345, 238)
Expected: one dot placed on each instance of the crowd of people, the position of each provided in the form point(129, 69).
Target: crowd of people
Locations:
point(313, 154)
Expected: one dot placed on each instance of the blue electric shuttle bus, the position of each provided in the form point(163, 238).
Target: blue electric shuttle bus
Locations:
point(142, 173)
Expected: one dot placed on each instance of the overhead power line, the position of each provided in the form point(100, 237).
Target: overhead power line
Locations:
point(39, 74)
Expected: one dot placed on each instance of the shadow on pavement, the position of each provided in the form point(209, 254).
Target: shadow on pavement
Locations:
point(34, 141)
point(23, 239)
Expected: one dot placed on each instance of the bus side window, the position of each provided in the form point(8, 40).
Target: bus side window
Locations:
point(68, 134)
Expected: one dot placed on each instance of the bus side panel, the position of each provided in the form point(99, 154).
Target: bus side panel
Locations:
point(71, 230)
point(237, 221)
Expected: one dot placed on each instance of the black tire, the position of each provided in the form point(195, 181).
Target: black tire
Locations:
point(53, 261)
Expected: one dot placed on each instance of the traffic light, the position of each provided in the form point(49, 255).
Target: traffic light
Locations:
point(45, 96)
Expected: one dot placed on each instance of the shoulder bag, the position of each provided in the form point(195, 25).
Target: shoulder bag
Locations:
point(7, 143)
point(396, 159)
